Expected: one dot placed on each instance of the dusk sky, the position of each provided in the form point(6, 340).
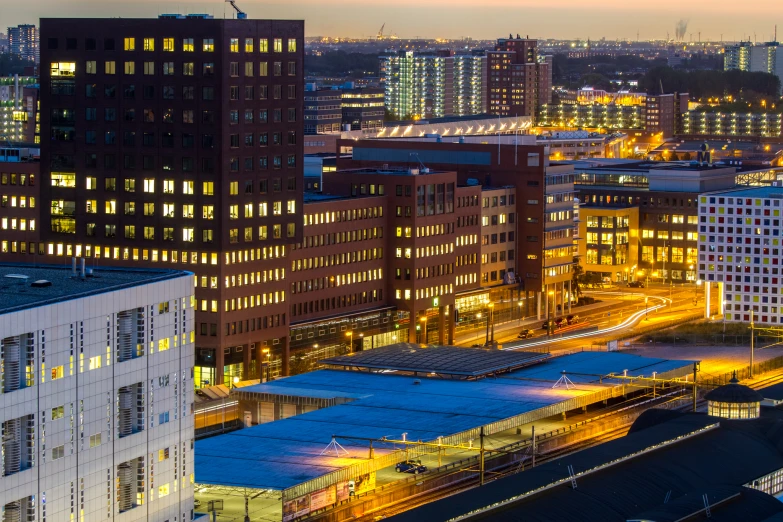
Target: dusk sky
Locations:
point(451, 18)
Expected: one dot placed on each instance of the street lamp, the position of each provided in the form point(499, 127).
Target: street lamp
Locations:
point(423, 320)
point(236, 381)
point(491, 320)
point(350, 346)
point(478, 318)
point(267, 355)
point(549, 314)
point(519, 306)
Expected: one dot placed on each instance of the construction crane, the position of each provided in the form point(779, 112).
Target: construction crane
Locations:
point(241, 15)
point(380, 32)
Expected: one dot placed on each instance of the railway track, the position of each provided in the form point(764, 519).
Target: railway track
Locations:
point(491, 474)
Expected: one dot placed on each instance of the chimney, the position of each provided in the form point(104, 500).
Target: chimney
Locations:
point(84, 268)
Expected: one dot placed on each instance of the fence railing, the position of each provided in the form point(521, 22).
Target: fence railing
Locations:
point(743, 372)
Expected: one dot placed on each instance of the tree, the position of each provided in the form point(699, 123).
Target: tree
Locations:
point(576, 277)
point(300, 364)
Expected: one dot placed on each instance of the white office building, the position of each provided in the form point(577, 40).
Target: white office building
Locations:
point(96, 394)
point(740, 253)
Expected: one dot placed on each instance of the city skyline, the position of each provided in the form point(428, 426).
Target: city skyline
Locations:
point(347, 18)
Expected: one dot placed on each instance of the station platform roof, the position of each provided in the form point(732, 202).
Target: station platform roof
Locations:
point(285, 453)
point(594, 367)
point(442, 360)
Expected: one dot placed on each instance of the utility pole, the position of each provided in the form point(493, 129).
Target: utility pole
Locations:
point(481, 457)
point(695, 387)
point(533, 432)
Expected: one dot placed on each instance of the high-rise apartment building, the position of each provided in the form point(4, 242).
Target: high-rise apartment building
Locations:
point(177, 141)
point(766, 57)
point(433, 84)
point(519, 80)
point(96, 394)
point(23, 41)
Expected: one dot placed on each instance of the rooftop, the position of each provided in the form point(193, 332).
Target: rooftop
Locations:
point(443, 360)
point(396, 171)
point(19, 291)
point(281, 454)
point(752, 192)
point(317, 197)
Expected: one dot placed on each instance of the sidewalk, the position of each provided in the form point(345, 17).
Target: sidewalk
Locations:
point(478, 335)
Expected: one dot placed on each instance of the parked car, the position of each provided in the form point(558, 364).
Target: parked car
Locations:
point(410, 466)
point(560, 322)
point(635, 284)
point(573, 319)
point(527, 333)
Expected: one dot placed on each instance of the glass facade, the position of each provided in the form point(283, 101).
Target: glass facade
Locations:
point(729, 410)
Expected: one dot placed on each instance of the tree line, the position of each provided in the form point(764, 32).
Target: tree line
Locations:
point(706, 83)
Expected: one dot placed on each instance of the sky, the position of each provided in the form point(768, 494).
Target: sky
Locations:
point(479, 19)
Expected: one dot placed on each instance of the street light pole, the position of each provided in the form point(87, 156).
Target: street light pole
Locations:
point(350, 335)
point(549, 325)
point(478, 317)
point(486, 336)
point(423, 321)
point(492, 322)
point(519, 307)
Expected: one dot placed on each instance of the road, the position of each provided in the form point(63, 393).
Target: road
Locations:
point(620, 312)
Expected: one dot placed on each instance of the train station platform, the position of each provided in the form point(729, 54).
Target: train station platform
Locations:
point(328, 419)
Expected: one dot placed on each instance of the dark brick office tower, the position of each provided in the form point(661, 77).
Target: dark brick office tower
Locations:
point(177, 141)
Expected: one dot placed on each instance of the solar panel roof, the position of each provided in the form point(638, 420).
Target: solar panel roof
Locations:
point(449, 360)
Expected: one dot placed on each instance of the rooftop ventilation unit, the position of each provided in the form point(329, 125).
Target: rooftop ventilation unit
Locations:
point(171, 16)
point(41, 283)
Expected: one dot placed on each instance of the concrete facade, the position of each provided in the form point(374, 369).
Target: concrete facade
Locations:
point(97, 397)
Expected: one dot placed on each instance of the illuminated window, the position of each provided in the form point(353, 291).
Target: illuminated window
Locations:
point(63, 69)
point(168, 45)
point(149, 44)
point(263, 45)
point(278, 45)
point(130, 67)
point(111, 206)
point(248, 45)
point(91, 67)
point(149, 185)
point(64, 179)
point(233, 45)
point(187, 45)
point(110, 67)
point(291, 45)
point(208, 45)
point(129, 44)
point(291, 208)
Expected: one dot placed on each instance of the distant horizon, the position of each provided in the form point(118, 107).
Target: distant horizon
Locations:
point(717, 20)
